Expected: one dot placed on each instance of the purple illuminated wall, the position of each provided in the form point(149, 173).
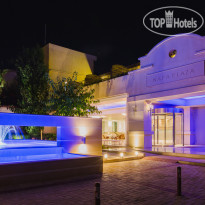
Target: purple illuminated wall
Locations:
point(77, 135)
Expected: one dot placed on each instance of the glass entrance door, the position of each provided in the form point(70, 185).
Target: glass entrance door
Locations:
point(179, 129)
point(167, 127)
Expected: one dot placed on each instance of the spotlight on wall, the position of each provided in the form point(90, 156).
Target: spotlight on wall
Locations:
point(82, 131)
point(150, 107)
point(121, 154)
point(134, 108)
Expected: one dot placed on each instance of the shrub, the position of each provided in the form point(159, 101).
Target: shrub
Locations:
point(34, 131)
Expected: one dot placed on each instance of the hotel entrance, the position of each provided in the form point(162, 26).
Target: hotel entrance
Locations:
point(167, 127)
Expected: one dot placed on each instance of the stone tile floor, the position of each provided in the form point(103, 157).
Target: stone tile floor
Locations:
point(192, 149)
point(127, 153)
point(151, 180)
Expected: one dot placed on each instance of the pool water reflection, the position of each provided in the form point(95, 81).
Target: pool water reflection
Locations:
point(15, 151)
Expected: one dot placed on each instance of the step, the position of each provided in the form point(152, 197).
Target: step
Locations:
point(17, 176)
point(13, 152)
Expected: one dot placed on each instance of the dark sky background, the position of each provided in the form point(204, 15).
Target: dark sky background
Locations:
point(114, 32)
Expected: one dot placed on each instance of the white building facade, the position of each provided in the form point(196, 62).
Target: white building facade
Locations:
point(162, 103)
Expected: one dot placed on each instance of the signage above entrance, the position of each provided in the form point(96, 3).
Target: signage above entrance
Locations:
point(175, 74)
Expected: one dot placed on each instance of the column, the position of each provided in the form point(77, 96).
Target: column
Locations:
point(139, 124)
point(189, 134)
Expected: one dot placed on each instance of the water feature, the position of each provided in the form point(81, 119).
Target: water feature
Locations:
point(10, 132)
point(15, 148)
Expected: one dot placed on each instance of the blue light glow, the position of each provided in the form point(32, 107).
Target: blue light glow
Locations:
point(110, 107)
point(195, 97)
point(188, 101)
point(69, 133)
point(16, 151)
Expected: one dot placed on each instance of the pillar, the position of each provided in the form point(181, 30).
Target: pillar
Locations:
point(189, 134)
point(139, 124)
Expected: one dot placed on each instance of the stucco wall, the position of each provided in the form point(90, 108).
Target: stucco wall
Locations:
point(159, 72)
point(139, 124)
point(109, 88)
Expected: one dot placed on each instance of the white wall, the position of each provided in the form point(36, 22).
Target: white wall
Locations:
point(160, 73)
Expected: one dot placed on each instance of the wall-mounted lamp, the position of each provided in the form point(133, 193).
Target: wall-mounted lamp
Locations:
point(150, 107)
point(83, 133)
point(134, 108)
point(84, 139)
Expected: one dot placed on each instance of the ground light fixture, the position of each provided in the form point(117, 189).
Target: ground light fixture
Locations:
point(136, 153)
point(105, 156)
point(121, 155)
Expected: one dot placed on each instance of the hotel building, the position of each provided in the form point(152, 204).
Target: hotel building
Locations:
point(163, 102)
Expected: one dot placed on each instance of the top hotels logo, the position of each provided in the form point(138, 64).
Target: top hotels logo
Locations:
point(172, 20)
point(169, 18)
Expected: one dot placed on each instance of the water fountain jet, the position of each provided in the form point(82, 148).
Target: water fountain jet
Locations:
point(9, 130)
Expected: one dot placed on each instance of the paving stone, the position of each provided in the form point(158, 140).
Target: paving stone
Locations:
point(151, 180)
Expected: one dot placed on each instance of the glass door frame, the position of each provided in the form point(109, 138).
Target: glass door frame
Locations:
point(166, 111)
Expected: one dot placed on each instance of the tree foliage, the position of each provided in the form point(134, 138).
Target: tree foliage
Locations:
point(92, 79)
point(71, 98)
point(118, 70)
point(32, 79)
point(33, 131)
point(2, 80)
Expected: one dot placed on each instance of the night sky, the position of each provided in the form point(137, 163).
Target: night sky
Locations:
point(113, 32)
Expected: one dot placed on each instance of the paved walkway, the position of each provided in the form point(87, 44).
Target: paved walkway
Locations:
point(191, 149)
point(114, 154)
point(151, 180)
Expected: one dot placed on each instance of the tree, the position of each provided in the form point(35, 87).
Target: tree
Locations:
point(32, 79)
point(2, 81)
point(71, 98)
point(118, 70)
point(92, 79)
point(9, 91)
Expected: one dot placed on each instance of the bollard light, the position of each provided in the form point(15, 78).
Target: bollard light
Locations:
point(97, 193)
point(105, 156)
point(179, 182)
point(121, 155)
